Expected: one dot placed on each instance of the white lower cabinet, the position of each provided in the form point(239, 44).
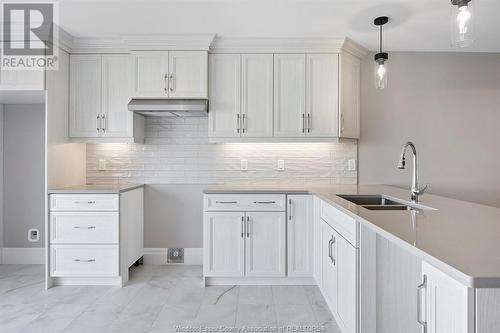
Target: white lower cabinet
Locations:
point(95, 238)
point(300, 235)
point(347, 283)
point(444, 304)
point(329, 268)
point(265, 244)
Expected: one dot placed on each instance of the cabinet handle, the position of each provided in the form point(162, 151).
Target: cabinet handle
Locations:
point(242, 226)
point(81, 260)
point(243, 117)
point(103, 123)
point(98, 123)
point(226, 202)
point(171, 83)
point(238, 123)
point(264, 202)
point(89, 227)
point(165, 83)
point(420, 287)
point(333, 254)
point(84, 202)
point(248, 226)
point(303, 123)
point(330, 248)
point(342, 123)
point(308, 123)
point(289, 209)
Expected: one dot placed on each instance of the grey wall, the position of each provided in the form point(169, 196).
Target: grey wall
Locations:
point(24, 174)
point(448, 104)
point(173, 216)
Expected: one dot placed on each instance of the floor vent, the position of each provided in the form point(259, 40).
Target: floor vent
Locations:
point(175, 255)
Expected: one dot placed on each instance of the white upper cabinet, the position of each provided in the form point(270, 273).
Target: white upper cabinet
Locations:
point(188, 74)
point(300, 235)
point(257, 95)
point(85, 96)
point(225, 96)
point(289, 95)
point(99, 94)
point(265, 244)
point(150, 74)
point(349, 96)
point(322, 95)
point(117, 120)
point(174, 74)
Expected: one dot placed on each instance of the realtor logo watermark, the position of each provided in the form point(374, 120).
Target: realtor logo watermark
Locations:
point(29, 30)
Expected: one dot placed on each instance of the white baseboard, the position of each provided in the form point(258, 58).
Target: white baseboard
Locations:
point(158, 256)
point(23, 255)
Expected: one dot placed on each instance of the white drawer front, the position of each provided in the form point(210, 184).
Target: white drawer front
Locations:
point(84, 227)
point(345, 225)
point(84, 260)
point(245, 202)
point(84, 202)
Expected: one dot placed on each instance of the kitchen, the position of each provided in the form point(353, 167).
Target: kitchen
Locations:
point(234, 179)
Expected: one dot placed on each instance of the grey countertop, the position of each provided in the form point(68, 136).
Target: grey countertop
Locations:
point(95, 189)
point(460, 238)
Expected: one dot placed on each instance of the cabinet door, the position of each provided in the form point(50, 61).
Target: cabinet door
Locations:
point(188, 74)
point(317, 242)
point(150, 74)
point(289, 95)
point(322, 95)
point(328, 269)
point(349, 94)
point(22, 79)
point(224, 115)
point(265, 244)
point(447, 305)
point(300, 235)
point(117, 119)
point(346, 261)
point(257, 95)
point(85, 96)
point(224, 244)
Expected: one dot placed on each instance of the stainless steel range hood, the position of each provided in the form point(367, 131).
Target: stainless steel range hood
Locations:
point(169, 107)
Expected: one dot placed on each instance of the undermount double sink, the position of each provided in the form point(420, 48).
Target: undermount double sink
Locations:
point(379, 202)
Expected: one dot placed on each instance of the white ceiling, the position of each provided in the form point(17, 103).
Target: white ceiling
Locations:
point(416, 25)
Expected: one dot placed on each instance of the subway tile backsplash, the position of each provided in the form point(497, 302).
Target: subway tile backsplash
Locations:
point(177, 151)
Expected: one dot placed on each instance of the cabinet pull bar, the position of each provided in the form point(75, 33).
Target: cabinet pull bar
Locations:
point(289, 209)
point(171, 83)
point(243, 117)
point(420, 287)
point(303, 123)
point(242, 226)
point(98, 123)
point(238, 123)
point(333, 255)
point(103, 123)
point(308, 123)
point(80, 260)
point(165, 83)
point(226, 202)
point(89, 227)
point(248, 226)
point(84, 202)
point(264, 202)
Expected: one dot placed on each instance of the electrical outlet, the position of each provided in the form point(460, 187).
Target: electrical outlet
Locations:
point(351, 165)
point(33, 235)
point(244, 165)
point(281, 165)
point(102, 165)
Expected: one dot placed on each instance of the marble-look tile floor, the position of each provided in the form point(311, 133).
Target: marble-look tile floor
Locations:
point(157, 299)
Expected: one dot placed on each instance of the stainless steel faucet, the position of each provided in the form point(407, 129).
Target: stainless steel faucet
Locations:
point(415, 190)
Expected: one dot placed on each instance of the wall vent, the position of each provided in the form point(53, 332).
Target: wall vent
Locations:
point(175, 255)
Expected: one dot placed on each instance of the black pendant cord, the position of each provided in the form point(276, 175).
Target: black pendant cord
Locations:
point(380, 38)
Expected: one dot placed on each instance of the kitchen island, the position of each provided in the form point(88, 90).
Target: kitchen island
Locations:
point(454, 243)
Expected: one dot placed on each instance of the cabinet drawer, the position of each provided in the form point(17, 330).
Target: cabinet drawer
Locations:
point(84, 227)
point(84, 260)
point(84, 202)
point(245, 202)
point(345, 225)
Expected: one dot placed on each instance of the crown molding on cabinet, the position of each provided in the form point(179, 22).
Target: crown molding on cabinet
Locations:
point(288, 45)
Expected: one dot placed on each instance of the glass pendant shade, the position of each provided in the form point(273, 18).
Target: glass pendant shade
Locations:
point(462, 23)
point(380, 70)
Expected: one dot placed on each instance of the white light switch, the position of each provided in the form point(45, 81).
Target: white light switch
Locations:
point(102, 165)
point(351, 165)
point(244, 165)
point(281, 165)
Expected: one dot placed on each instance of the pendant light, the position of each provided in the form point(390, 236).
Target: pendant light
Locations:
point(462, 23)
point(381, 58)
